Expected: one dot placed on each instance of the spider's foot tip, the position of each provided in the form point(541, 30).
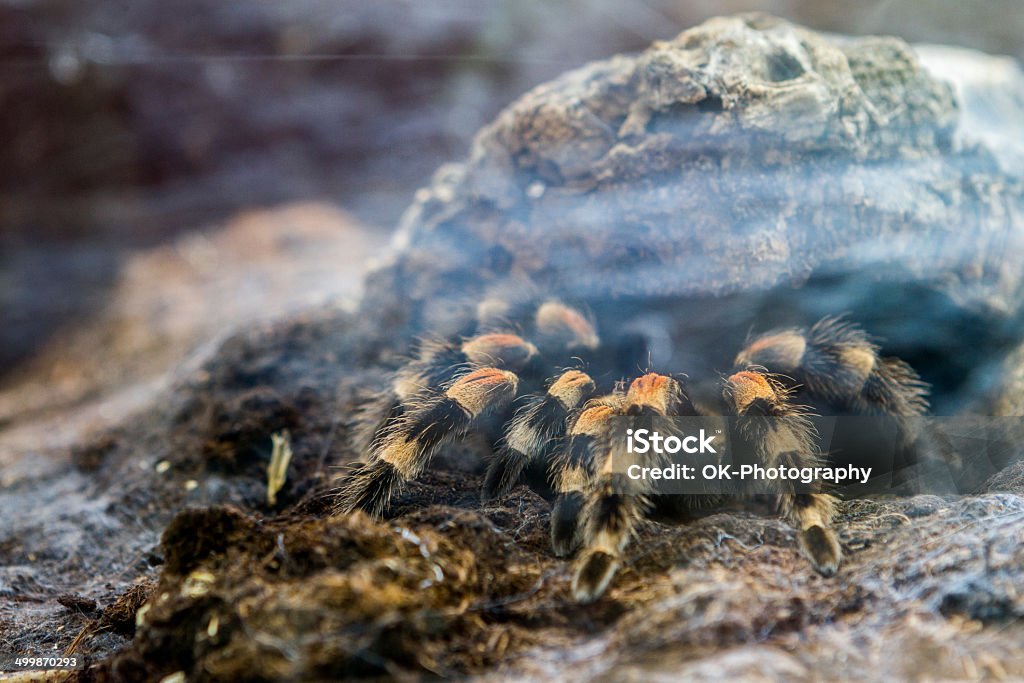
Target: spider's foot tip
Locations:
point(822, 547)
point(494, 485)
point(565, 536)
point(369, 488)
point(563, 543)
point(350, 500)
point(593, 576)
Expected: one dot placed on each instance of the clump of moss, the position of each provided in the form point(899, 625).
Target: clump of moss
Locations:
point(247, 599)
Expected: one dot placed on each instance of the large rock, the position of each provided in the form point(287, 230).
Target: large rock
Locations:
point(748, 173)
point(744, 154)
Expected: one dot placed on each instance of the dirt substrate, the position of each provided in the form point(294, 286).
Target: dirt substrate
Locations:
point(167, 529)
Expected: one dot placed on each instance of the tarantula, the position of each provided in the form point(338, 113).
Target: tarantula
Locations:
point(557, 436)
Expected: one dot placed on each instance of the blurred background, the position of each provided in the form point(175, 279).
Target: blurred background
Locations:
point(170, 170)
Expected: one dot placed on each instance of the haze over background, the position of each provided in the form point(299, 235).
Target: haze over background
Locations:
point(128, 128)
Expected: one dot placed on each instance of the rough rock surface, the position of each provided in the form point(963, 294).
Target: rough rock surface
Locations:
point(744, 153)
point(751, 159)
point(163, 520)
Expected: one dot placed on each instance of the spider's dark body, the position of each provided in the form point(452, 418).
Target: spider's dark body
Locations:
point(559, 437)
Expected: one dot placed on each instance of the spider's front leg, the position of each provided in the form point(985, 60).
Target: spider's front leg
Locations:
point(573, 470)
point(773, 432)
point(609, 516)
point(536, 430)
point(436, 365)
point(837, 369)
point(433, 399)
point(555, 326)
point(409, 441)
